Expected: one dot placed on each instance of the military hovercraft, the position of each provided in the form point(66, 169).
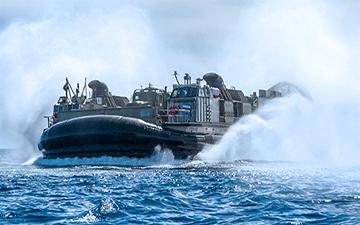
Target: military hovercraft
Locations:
point(193, 115)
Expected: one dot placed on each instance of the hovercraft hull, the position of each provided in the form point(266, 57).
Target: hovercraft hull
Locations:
point(104, 135)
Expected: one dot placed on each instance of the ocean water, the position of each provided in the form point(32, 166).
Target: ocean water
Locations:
point(160, 190)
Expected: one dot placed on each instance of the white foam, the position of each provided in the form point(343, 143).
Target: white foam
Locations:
point(160, 157)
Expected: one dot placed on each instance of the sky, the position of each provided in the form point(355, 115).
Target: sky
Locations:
point(128, 44)
point(186, 29)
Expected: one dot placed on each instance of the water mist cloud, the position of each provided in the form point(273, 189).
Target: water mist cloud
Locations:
point(301, 42)
point(117, 47)
point(298, 41)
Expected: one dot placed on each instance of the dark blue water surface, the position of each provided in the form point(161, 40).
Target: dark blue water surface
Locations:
point(180, 193)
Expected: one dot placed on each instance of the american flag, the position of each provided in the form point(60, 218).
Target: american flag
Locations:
point(185, 106)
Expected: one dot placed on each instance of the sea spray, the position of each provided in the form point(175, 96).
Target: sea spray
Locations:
point(117, 47)
point(301, 42)
point(291, 129)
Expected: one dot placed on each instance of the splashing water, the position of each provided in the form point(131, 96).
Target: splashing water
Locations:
point(36, 57)
point(291, 129)
point(301, 42)
point(160, 157)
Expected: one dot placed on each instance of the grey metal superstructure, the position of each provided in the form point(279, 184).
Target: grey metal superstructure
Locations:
point(209, 108)
point(146, 103)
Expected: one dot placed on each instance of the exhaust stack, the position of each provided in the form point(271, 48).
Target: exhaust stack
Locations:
point(216, 81)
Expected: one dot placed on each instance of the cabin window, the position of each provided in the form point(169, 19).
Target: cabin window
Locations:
point(56, 108)
point(99, 101)
point(184, 92)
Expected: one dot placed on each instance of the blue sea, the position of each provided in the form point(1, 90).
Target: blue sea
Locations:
point(161, 190)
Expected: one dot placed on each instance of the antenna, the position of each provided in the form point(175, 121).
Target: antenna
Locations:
point(69, 86)
point(83, 90)
point(187, 78)
point(66, 89)
point(175, 75)
point(77, 89)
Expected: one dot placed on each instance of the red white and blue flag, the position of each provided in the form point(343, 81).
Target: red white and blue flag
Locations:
point(185, 106)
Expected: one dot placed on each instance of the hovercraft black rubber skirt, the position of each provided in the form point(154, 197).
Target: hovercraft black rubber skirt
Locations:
point(105, 135)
